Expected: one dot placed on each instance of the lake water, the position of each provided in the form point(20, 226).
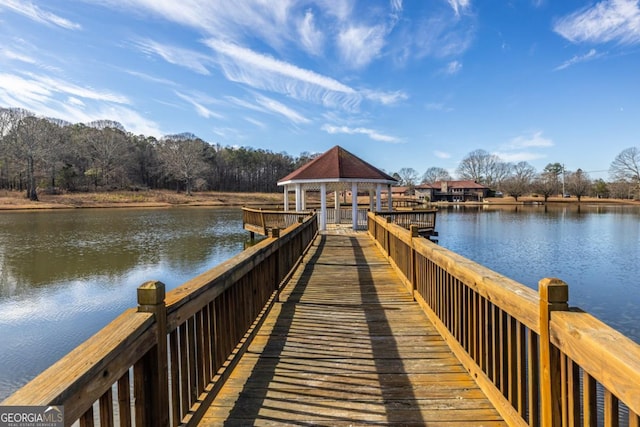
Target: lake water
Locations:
point(66, 274)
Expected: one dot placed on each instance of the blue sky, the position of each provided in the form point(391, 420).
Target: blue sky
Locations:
point(414, 84)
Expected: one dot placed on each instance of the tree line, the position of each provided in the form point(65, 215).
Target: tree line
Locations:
point(48, 154)
point(52, 155)
point(519, 179)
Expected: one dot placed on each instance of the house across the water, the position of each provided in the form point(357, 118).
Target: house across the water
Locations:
point(452, 191)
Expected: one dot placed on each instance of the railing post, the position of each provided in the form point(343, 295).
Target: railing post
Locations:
point(554, 295)
point(414, 234)
point(155, 376)
point(388, 236)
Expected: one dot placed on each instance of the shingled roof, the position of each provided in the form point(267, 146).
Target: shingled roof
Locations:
point(337, 164)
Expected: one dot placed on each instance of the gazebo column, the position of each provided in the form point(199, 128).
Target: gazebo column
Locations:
point(304, 199)
point(354, 205)
point(286, 198)
point(371, 200)
point(323, 206)
point(390, 198)
point(378, 197)
point(337, 206)
point(298, 197)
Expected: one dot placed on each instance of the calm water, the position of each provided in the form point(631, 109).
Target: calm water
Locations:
point(66, 274)
point(595, 249)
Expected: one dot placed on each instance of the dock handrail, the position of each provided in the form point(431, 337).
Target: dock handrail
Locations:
point(540, 362)
point(161, 363)
point(261, 221)
point(423, 218)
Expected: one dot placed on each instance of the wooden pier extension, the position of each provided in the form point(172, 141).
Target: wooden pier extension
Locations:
point(382, 327)
point(347, 345)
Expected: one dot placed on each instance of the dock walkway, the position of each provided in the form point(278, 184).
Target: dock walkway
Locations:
point(347, 345)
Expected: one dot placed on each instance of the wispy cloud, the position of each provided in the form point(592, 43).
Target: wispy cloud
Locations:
point(444, 36)
point(534, 139)
point(198, 101)
point(15, 56)
point(385, 98)
point(175, 55)
point(281, 109)
point(35, 13)
point(438, 106)
point(453, 67)
point(606, 21)
point(359, 45)
point(459, 6)
point(589, 56)
point(520, 156)
point(442, 154)
point(264, 72)
point(311, 38)
point(371, 133)
point(53, 97)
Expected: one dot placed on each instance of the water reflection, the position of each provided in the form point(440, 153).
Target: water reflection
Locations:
point(66, 274)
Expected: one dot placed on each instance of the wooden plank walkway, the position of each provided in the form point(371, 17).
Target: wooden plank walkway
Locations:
point(347, 345)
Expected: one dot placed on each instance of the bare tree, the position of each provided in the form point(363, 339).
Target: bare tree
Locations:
point(28, 142)
point(483, 167)
point(435, 174)
point(408, 177)
point(519, 182)
point(546, 184)
point(579, 184)
point(182, 156)
point(626, 167)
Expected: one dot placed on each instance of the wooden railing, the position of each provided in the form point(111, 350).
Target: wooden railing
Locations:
point(262, 221)
point(424, 219)
point(540, 362)
point(160, 364)
point(345, 216)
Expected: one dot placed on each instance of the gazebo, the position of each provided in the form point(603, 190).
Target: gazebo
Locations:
point(337, 170)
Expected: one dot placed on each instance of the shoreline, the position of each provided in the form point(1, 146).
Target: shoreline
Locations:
point(16, 201)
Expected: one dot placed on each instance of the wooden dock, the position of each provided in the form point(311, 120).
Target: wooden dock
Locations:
point(347, 345)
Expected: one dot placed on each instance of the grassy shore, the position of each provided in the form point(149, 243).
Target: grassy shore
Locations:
point(13, 200)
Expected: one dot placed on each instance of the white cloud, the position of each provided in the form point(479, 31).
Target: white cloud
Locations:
point(264, 72)
point(442, 154)
point(35, 89)
point(311, 38)
point(255, 122)
point(442, 36)
point(589, 56)
point(197, 102)
point(373, 134)
point(459, 6)
point(279, 108)
point(359, 45)
point(531, 140)
point(51, 97)
point(33, 12)
point(438, 106)
point(385, 98)
point(606, 21)
point(9, 54)
point(454, 67)
point(177, 56)
point(522, 156)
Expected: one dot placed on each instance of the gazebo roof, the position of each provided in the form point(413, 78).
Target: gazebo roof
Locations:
point(337, 165)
